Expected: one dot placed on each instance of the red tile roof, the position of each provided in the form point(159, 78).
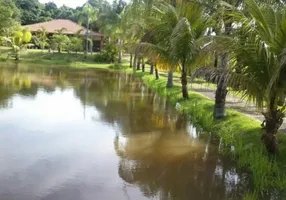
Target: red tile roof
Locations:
point(54, 25)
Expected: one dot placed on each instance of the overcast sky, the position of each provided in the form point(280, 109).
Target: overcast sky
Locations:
point(70, 3)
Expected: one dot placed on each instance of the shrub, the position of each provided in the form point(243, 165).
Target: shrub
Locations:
point(108, 54)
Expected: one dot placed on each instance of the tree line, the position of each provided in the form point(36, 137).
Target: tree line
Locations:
point(32, 11)
point(238, 44)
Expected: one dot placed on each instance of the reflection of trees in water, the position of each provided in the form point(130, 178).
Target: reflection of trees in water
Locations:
point(26, 81)
point(122, 100)
point(157, 153)
point(192, 173)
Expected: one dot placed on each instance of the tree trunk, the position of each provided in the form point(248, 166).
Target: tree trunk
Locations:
point(152, 69)
point(120, 56)
point(221, 91)
point(17, 57)
point(184, 81)
point(87, 34)
point(143, 65)
point(156, 72)
point(170, 79)
point(273, 121)
point(91, 48)
point(138, 64)
point(120, 53)
point(135, 59)
point(131, 59)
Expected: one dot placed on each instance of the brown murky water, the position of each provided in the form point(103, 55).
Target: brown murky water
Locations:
point(96, 135)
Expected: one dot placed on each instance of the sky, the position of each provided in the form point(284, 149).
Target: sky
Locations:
point(70, 3)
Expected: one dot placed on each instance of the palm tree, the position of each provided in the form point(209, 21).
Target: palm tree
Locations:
point(220, 11)
point(185, 38)
point(42, 38)
point(60, 40)
point(88, 16)
point(259, 64)
point(177, 33)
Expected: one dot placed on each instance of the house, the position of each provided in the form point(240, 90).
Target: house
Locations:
point(69, 28)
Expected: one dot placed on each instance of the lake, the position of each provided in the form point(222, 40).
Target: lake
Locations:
point(71, 134)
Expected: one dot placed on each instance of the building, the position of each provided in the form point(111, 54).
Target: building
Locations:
point(69, 28)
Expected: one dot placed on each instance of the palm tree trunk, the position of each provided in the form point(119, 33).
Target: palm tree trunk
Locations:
point(273, 121)
point(135, 59)
point(152, 69)
point(131, 59)
point(156, 72)
point(143, 65)
point(120, 52)
point(91, 47)
point(87, 34)
point(184, 81)
point(170, 79)
point(138, 64)
point(221, 91)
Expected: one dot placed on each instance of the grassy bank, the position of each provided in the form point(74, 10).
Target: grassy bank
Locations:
point(240, 136)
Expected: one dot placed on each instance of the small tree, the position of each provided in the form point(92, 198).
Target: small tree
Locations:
point(18, 42)
point(61, 42)
point(76, 44)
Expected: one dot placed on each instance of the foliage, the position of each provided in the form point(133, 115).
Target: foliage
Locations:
point(18, 42)
point(108, 54)
point(41, 39)
point(60, 42)
point(88, 16)
point(259, 63)
point(31, 11)
point(9, 15)
point(76, 44)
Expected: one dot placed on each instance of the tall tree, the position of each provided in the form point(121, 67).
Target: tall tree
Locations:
point(89, 16)
point(186, 31)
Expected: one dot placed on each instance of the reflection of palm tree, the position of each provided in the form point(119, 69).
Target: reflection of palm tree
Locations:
point(177, 174)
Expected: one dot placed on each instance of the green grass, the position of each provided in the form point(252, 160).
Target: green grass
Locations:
point(236, 130)
point(44, 58)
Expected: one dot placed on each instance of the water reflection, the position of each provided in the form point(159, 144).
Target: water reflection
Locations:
point(71, 134)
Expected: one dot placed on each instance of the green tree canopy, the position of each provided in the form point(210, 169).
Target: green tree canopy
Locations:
point(9, 14)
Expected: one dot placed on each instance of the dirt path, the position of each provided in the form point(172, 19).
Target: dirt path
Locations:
point(232, 101)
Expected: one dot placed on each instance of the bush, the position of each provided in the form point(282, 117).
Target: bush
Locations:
point(108, 54)
point(101, 58)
